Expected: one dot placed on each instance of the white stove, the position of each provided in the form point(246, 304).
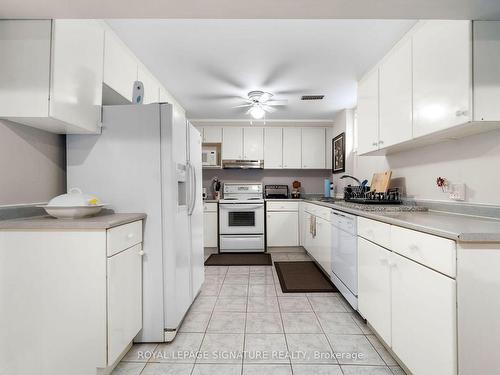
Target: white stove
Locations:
point(241, 218)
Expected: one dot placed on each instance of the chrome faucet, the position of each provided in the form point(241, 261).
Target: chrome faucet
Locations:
point(351, 177)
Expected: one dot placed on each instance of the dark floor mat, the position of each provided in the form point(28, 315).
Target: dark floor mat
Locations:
point(239, 259)
point(303, 277)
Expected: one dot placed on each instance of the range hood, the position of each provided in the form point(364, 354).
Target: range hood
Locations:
point(243, 164)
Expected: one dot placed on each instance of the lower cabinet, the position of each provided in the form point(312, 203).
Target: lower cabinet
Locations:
point(374, 287)
point(424, 322)
point(124, 300)
point(210, 225)
point(283, 228)
point(317, 235)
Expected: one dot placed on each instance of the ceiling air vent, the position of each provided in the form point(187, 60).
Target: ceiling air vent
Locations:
point(312, 97)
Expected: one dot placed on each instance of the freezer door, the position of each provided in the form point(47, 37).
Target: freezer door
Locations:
point(196, 211)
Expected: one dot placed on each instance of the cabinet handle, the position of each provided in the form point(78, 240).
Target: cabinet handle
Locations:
point(461, 113)
point(380, 142)
point(375, 144)
point(141, 253)
point(413, 247)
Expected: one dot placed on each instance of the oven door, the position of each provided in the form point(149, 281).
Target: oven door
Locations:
point(241, 218)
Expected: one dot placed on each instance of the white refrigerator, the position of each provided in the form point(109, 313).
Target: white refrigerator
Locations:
point(148, 159)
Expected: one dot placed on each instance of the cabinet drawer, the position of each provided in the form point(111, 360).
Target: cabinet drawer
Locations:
point(123, 237)
point(375, 231)
point(434, 252)
point(322, 212)
point(282, 206)
point(210, 207)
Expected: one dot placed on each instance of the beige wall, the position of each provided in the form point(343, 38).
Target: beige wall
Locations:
point(32, 164)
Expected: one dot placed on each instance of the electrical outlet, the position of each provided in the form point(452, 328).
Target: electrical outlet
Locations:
point(456, 192)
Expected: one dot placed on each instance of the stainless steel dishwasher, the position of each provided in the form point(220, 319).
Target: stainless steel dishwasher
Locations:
point(345, 255)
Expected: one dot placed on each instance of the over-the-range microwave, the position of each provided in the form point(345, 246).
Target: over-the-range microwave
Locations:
point(209, 156)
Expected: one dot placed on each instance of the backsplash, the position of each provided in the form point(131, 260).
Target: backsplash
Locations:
point(311, 180)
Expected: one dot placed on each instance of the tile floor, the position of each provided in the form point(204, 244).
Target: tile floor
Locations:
point(242, 324)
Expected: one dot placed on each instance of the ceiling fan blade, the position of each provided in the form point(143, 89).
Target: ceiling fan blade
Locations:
point(267, 108)
point(277, 102)
point(242, 105)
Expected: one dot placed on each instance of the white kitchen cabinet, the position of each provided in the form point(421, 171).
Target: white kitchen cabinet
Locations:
point(442, 75)
point(53, 71)
point(292, 148)
point(120, 66)
point(151, 85)
point(323, 245)
point(212, 134)
point(424, 318)
point(396, 118)
point(210, 224)
point(328, 147)
point(374, 287)
point(253, 143)
point(486, 70)
point(124, 299)
point(82, 304)
point(313, 148)
point(282, 228)
point(273, 148)
point(232, 143)
point(368, 113)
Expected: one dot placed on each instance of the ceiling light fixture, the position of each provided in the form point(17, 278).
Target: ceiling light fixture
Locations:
point(257, 112)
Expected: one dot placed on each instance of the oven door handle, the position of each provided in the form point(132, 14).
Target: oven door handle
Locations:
point(240, 207)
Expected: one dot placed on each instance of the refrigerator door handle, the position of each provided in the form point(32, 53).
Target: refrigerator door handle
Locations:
point(191, 188)
point(195, 194)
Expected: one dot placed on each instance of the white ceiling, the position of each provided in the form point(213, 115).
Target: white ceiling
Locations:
point(299, 9)
point(207, 64)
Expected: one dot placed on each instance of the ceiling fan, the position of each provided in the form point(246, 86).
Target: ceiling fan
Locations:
point(260, 102)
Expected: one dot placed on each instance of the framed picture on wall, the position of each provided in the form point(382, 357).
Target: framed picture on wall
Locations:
point(338, 153)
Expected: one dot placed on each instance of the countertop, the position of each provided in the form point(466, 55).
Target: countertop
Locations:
point(104, 221)
point(461, 228)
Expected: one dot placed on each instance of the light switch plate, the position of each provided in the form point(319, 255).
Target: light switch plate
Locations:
point(456, 192)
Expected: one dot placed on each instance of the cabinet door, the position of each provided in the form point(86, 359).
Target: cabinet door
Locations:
point(328, 147)
point(441, 75)
point(25, 68)
point(120, 66)
point(374, 287)
point(212, 134)
point(323, 235)
point(253, 143)
point(424, 318)
point(273, 148)
point(151, 86)
point(396, 96)
point(232, 143)
point(210, 229)
point(77, 72)
point(313, 148)
point(368, 113)
point(283, 229)
point(124, 300)
point(292, 148)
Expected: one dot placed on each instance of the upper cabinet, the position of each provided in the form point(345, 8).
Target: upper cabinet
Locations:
point(253, 143)
point(232, 143)
point(212, 134)
point(273, 148)
point(313, 148)
point(120, 66)
point(368, 115)
point(441, 81)
point(292, 148)
point(151, 85)
point(395, 96)
point(54, 72)
point(442, 73)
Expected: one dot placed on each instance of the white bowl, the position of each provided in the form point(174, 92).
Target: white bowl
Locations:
point(74, 198)
point(73, 212)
